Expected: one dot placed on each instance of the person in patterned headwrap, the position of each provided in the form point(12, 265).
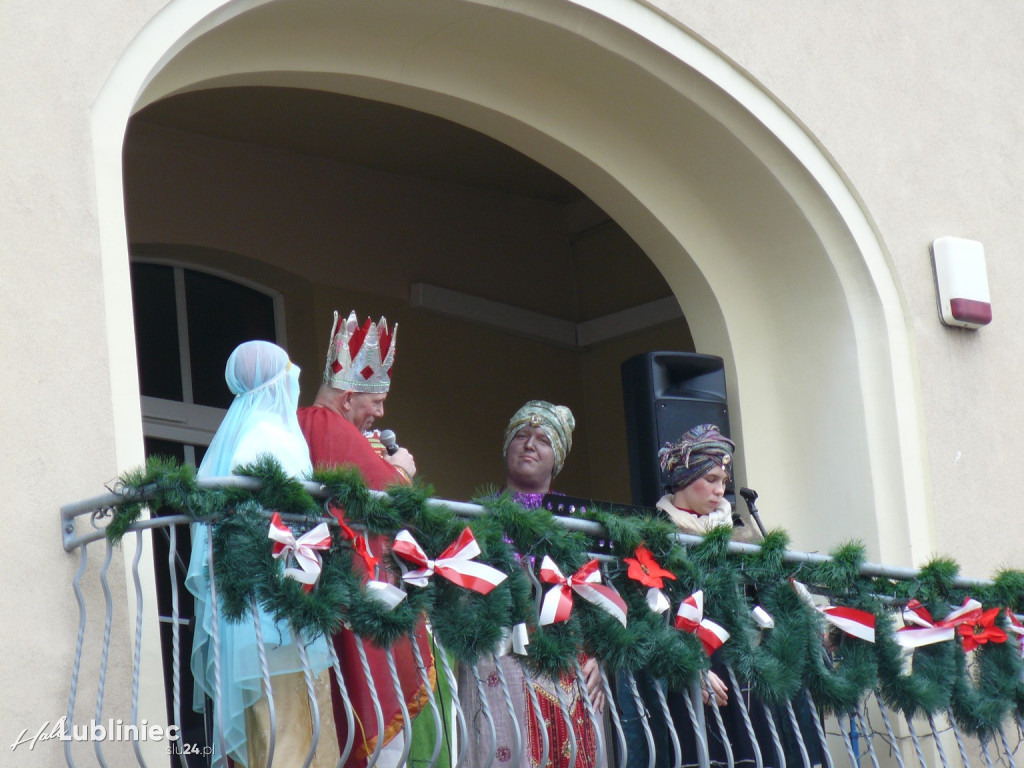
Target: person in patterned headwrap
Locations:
point(536, 442)
point(696, 471)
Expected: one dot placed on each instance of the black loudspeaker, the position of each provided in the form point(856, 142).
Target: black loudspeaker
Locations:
point(665, 394)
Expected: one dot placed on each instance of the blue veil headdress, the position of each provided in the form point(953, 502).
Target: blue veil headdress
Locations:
point(261, 420)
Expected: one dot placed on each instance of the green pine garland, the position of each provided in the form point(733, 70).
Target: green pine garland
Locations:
point(927, 689)
point(839, 679)
point(778, 663)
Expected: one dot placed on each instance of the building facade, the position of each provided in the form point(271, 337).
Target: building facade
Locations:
point(779, 169)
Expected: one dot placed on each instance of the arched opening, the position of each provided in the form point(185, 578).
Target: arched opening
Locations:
point(508, 284)
point(763, 246)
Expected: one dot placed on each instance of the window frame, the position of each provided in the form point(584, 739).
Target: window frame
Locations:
point(185, 421)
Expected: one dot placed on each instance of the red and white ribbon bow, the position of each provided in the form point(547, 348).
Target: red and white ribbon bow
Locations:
point(916, 615)
point(586, 582)
point(852, 621)
point(961, 614)
point(690, 618)
point(921, 629)
point(456, 563)
point(303, 549)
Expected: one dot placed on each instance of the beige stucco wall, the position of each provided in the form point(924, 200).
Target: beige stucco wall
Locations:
point(915, 103)
point(54, 58)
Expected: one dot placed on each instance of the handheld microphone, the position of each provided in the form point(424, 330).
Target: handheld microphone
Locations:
point(389, 441)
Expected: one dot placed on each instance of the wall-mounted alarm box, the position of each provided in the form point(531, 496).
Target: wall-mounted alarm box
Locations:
point(962, 282)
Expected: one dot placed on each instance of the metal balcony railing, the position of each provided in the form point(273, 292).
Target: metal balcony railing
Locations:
point(639, 715)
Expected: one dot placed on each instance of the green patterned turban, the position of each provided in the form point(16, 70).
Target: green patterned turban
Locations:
point(556, 421)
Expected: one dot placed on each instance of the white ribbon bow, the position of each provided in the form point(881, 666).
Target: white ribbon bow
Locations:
point(303, 549)
point(762, 618)
point(657, 601)
point(513, 640)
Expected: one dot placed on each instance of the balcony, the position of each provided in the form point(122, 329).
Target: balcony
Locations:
point(828, 671)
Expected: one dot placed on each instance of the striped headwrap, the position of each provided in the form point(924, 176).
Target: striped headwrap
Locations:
point(698, 451)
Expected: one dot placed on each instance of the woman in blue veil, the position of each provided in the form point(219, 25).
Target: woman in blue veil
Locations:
point(261, 420)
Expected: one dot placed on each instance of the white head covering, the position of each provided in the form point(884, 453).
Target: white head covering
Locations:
point(262, 417)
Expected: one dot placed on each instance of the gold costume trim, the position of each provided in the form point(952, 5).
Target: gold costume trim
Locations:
point(417, 705)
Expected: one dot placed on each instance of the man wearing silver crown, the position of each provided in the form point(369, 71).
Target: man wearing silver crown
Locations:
point(356, 382)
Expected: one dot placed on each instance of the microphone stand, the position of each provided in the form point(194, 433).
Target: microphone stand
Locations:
point(750, 496)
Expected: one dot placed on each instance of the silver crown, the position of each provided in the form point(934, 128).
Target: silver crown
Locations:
point(360, 358)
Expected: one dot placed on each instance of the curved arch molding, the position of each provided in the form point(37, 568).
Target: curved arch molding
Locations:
point(775, 263)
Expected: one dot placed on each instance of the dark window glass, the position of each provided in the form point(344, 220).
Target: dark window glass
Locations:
point(156, 331)
point(191, 723)
point(156, 447)
point(221, 315)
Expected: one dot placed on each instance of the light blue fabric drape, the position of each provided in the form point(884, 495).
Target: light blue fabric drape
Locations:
point(261, 420)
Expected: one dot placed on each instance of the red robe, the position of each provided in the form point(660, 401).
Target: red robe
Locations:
point(335, 441)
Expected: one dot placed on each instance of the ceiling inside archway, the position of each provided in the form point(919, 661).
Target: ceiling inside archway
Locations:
point(361, 132)
point(611, 273)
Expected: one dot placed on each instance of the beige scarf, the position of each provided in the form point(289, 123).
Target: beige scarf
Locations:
point(696, 524)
